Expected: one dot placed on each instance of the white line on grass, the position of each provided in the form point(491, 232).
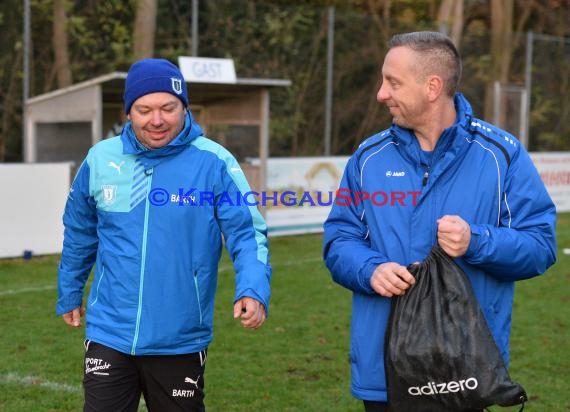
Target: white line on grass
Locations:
point(42, 383)
point(222, 268)
point(292, 262)
point(27, 290)
point(11, 378)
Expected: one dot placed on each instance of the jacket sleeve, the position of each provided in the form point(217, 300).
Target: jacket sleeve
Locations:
point(524, 243)
point(347, 251)
point(79, 243)
point(245, 234)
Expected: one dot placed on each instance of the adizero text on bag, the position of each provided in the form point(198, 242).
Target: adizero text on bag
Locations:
point(443, 388)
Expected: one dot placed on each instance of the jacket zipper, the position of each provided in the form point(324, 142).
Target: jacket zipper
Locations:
point(425, 178)
point(198, 295)
point(433, 205)
point(98, 284)
point(143, 261)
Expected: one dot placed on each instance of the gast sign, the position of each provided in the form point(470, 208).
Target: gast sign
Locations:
point(207, 70)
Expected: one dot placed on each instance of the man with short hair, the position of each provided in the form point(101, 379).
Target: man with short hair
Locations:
point(480, 197)
point(147, 208)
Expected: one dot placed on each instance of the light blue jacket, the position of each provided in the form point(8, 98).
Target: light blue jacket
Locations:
point(478, 172)
point(152, 223)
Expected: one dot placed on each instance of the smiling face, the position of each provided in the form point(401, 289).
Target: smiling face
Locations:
point(157, 118)
point(404, 88)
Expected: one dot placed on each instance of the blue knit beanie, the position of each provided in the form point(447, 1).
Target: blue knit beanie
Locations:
point(151, 76)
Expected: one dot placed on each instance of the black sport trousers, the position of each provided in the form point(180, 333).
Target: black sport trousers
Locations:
point(114, 381)
point(374, 406)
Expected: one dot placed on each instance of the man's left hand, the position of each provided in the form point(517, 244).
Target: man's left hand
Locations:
point(251, 312)
point(453, 235)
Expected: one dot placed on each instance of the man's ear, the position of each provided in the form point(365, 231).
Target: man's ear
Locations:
point(434, 85)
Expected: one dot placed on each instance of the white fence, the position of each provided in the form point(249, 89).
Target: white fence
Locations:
point(297, 199)
point(554, 169)
point(31, 207)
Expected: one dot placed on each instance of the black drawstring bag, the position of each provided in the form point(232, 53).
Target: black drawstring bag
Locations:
point(440, 355)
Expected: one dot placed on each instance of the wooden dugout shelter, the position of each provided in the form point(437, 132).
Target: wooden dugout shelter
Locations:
point(63, 124)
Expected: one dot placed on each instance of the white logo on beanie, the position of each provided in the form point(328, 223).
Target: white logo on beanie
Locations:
point(176, 85)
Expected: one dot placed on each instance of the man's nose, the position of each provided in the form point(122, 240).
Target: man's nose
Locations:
point(156, 117)
point(382, 94)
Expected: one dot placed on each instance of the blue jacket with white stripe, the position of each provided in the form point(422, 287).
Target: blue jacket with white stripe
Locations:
point(478, 172)
point(152, 223)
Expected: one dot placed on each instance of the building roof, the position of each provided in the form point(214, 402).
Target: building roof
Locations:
point(112, 85)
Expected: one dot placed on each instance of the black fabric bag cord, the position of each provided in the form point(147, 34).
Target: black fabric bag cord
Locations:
point(440, 355)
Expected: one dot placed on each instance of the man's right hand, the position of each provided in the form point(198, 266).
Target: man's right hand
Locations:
point(391, 279)
point(73, 318)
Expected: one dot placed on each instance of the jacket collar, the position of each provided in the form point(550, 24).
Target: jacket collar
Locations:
point(450, 141)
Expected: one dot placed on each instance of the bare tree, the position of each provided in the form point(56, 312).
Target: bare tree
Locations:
point(380, 13)
point(144, 29)
point(9, 113)
point(501, 49)
point(451, 12)
point(61, 44)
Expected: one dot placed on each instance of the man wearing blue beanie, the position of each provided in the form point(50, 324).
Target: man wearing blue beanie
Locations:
point(154, 75)
point(147, 209)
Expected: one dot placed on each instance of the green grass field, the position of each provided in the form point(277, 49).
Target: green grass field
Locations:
point(298, 361)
